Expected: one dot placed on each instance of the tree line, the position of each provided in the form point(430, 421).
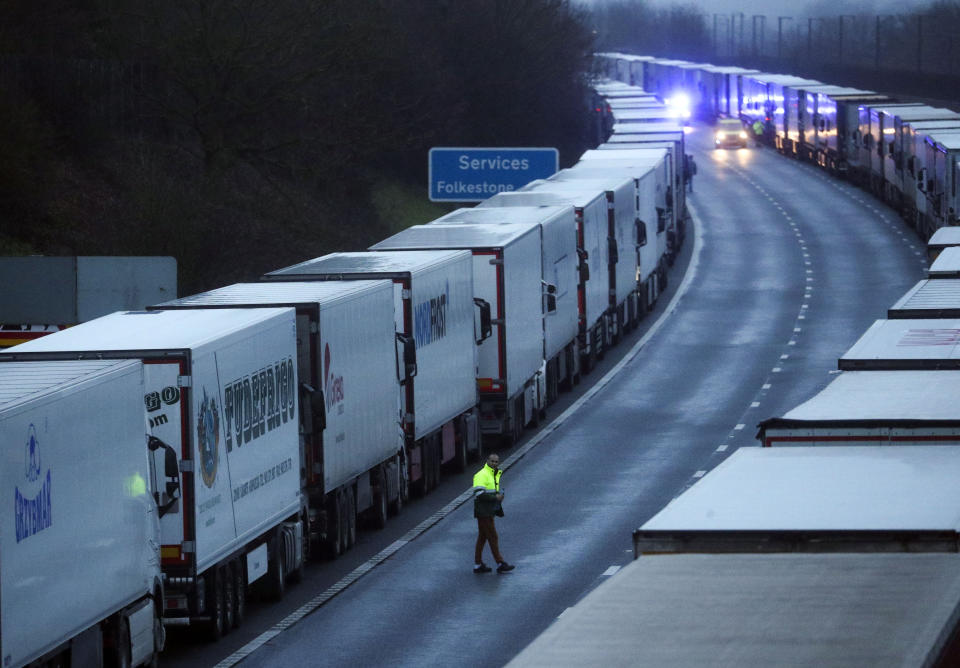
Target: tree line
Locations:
point(240, 136)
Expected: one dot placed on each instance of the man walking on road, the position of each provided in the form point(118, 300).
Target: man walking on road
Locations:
point(487, 496)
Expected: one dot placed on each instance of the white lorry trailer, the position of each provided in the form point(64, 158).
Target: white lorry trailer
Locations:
point(558, 274)
point(507, 275)
point(434, 311)
point(938, 298)
point(905, 344)
point(221, 390)
point(803, 557)
point(871, 408)
point(590, 208)
point(351, 459)
point(80, 580)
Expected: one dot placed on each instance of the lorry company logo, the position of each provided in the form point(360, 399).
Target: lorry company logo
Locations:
point(154, 401)
point(208, 438)
point(430, 319)
point(334, 384)
point(32, 506)
point(259, 402)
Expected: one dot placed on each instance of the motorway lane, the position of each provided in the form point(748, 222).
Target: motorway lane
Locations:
point(774, 257)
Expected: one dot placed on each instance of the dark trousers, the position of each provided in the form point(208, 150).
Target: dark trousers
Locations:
point(487, 533)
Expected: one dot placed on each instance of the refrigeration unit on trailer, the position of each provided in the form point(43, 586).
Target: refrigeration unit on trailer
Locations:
point(351, 459)
point(905, 344)
point(435, 312)
point(911, 166)
point(874, 408)
point(590, 210)
point(631, 230)
point(221, 390)
point(892, 167)
point(506, 274)
point(876, 129)
point(559, 270)
point(927, 299)
point(80, 579)
point(940, 181)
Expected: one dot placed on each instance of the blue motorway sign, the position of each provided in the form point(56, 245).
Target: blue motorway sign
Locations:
point(474, 174)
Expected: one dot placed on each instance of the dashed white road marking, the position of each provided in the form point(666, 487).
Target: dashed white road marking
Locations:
point(722, 448)
point(739, 427)
point(699, 474)
point(610, 571)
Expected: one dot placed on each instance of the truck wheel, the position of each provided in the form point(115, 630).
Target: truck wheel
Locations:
point(159, 639)
point(215, 604)
point(276, 577)
point(333, 543)
point(240, 591)
point(379, 510)
point(225, 574)
point(298, 572)
point(403, 486)
point(118, 656)
point(351, 519)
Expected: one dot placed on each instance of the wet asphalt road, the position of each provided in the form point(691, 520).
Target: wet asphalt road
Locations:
point(783, 271)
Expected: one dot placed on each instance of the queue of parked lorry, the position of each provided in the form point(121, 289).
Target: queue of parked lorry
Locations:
point(835, 543)
point(163, 465)
point(906, 153)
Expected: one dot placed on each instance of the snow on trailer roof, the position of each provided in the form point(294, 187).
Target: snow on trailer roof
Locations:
point(938, 298)
point(366, 262)
point(656, 114)
point(759, 610)
point(559, 194)
point(924, 113)
point(457, 236)
point(636, 138)
point(863, 397)
point(945, 236)
point(628, 158)
point(947, 264)
point(645, 128)
point(840, 488)
point(25, 381)
point(151, 330)
point(607, 179)
point(276, 293)
point(906, 344)
point(500, 215)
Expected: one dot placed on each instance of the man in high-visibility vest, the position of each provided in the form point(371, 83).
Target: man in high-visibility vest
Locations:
point(487, 495)
point(758, 131)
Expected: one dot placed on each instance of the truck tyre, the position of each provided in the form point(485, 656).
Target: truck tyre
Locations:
point(118, 656)
point(351, 519)
point(240, 590)
point(378, 514)
point(403, 486)
point(216, 626)
point(333, 543)
point(225, 574)
point(159, 632)
point(276, 577)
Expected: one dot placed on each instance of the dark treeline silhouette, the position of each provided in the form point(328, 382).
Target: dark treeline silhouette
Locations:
point(241, 135)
